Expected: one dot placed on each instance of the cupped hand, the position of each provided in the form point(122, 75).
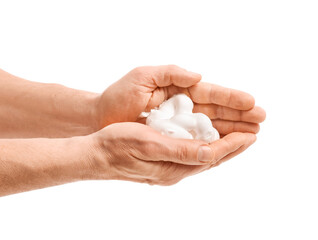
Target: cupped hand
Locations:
point(135, 152)
point(147, 87)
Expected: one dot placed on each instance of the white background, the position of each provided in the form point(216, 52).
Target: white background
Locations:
point(267, 48)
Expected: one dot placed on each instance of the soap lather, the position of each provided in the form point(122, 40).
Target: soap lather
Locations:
point(174, 118)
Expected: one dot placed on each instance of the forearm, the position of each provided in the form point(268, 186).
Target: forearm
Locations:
point(27, 164)
point(29, 109)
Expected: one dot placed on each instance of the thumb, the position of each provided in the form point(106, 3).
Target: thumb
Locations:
point(165, 75)
point(195, 152)
point(182, 151)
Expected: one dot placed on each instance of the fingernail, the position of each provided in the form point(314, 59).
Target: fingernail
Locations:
point(205, 154)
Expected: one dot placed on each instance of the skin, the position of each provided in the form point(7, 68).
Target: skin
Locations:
point(52, 135)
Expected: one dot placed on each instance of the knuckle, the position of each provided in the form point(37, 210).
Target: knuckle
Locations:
point(148, 146)
point(220, 111)
point(172, 67)
point(140, 71)
point(182, 153)
point(144, 148)
point(228, 146)
point(229, 97)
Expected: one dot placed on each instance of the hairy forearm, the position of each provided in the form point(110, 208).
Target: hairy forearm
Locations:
point(27, 164)
point(29, 109)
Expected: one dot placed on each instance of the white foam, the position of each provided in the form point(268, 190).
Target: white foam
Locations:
point(174, 118)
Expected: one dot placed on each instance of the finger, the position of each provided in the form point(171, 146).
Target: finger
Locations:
point(213, 111)
point(209, 93)
point(159, 147)
point(237, 152)
point(228, 144)
point(163, 76)
point(198, 169)
point(225, 127)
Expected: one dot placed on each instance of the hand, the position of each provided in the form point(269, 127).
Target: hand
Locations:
point(135, 152)
point(147, 87)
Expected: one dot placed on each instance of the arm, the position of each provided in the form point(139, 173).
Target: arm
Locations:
point(27, 164)
point(29, 109)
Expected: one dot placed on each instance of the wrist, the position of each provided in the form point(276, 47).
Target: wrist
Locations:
point(71, 158)
point(73, 112)
point(79, 113)
point(94, 157)
point(91, 101)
